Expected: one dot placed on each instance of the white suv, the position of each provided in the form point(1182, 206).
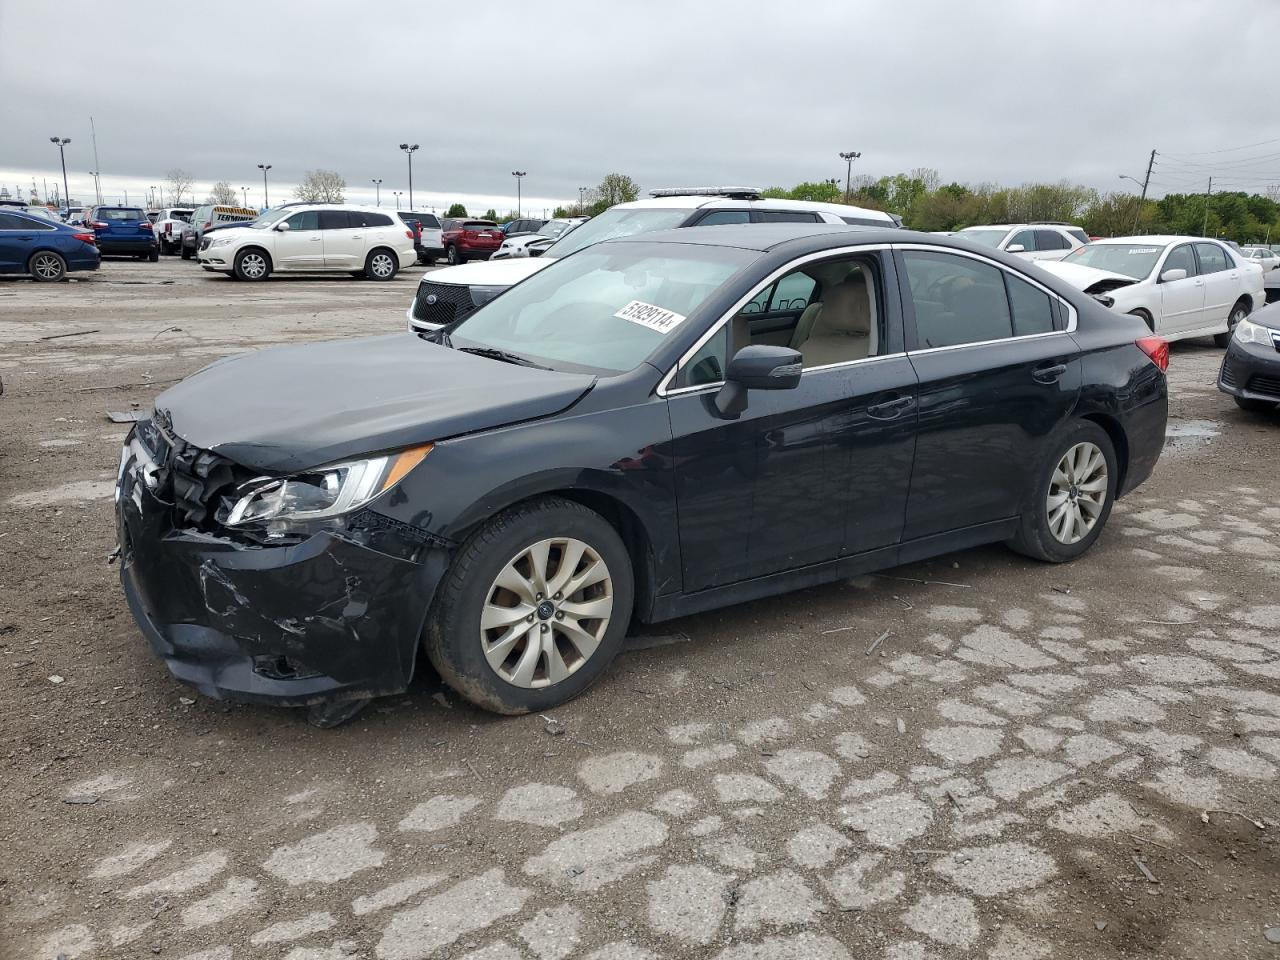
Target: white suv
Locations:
point(448, 295)
point(312, 238)
point(1031, 241)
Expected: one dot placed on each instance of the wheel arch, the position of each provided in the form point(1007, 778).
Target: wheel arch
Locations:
point(271, 262)
point(1119, 440)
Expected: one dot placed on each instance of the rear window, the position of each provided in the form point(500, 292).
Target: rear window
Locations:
point(429, 221)
point(1078, 234)
point(120, 213)
point(479, 225)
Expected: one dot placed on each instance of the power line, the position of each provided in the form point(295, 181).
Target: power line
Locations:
point(1201, 153)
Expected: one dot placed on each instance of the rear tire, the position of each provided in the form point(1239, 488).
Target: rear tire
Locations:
point(1238, 313)
point(186, 254)
point(45, 266)
point(381, 264)
point(252, 264)
point(1071, 499)
point(454, 256)
point(532, 546)
point(154, 255)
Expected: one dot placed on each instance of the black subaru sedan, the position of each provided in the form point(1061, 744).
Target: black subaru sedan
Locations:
point(651, 427)
point(1250, 369)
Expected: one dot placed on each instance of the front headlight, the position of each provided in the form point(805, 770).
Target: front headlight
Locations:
point(482, 295)
point(320, 494)
point(222, 241)
point(1247, 332)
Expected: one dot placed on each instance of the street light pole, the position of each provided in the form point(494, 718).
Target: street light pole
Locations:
point(408, 149)
point(264, 167)
point(62, 142)
point(848, 156)
point(377, 186)
point(245, 193)
point(519, 175)
point(399, 194)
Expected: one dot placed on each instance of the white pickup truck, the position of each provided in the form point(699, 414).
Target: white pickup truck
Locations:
point(168, 225)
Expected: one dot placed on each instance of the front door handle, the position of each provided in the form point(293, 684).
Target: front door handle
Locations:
point(890, 408)
point(1050, 374)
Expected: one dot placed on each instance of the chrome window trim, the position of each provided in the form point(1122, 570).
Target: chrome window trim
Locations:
point(664, 385)
point(666, 390)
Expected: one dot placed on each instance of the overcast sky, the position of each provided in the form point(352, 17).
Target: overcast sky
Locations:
point(672, 92)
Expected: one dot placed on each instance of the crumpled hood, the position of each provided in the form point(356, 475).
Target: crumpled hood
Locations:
point(1081, 277)
point(292, 408)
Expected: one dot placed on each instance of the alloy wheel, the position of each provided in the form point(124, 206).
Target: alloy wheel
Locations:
point(253, 266)
point(381, 265)
point(1233, 321)
point(546, 612)
point(1077, 492)
point(46, 267)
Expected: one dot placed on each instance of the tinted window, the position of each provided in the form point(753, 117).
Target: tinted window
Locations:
point(1180, 258)
point(479, 225)
point(359, 218)
point(334, 220)
point(1032, 308)
point(787, 216)
point(307, 220)
point(724, 216)
point(868, 222)
point(9, 222)
point(1051, 240)
point(1212, 258)
point(957, 300)
point(119, 214)
point(1025, 237)
point(1078, 234)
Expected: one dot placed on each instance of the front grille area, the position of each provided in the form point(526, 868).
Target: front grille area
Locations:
point(451, 302)
point(193, 480)
point(1267, 386)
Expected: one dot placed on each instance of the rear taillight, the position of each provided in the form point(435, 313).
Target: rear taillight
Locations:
point(146, 225)
point(98, 225)
point(168, 228)
point(208, 225)
point(409, 234)
point(86, 237)
point(1157, 349)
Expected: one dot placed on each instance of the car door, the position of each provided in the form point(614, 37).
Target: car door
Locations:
point(998, 373)
point(301, 247)
point(1181, 301)
point(16, 241)
point(344, 239)
point(1222, 283)
point(804, 475)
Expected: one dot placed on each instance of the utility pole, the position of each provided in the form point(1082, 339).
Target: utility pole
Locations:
point(97, 186)
point(848, 157)
point(1204, 227)
point(1142, 202)
point(519, 175)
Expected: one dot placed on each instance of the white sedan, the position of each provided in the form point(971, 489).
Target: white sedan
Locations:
point(1181, 286)
point(526, 244)
point(1264, 257)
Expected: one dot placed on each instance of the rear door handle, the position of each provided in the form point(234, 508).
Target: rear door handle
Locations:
point(890, 408)
point(1050, 374)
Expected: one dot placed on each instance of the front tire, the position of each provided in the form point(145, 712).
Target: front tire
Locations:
point(381, 264)
point(45, 266)
point(533, 609)
point(251, 265)
point(186, 254)
point(1238, 313)
point(1071, 500)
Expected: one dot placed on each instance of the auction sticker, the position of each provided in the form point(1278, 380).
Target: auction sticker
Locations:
point(1133, 250)
point(647, 315)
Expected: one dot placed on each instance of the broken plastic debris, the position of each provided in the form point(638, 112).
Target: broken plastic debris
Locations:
point(56, 679)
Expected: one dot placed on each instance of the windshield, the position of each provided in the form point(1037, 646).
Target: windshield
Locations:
point(1134, 259)
point(604, 310)
point(553, 228)
point(617, 222)
point(269, 218)
point(987, 238)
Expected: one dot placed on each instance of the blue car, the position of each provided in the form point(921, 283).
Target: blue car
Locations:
point(124, 230)
point(43, 248)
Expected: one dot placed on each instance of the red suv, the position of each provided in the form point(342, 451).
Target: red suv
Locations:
point(469, 240)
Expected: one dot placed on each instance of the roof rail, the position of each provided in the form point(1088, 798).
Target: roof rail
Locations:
point(1050, 223)
point(737, 193)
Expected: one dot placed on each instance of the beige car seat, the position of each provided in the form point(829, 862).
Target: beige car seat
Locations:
point(841, 329)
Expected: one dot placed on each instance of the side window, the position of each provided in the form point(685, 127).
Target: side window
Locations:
point(334, 220)
point(1078, 234)
point(707, 365)
point(377, 220)
point(792, 292)
point(307, 220)
point(787, 216)
point(1032, 307)
point(724, 216)
point(1212, 259)
point(957, 300)
point(1181, 259)
point(760, 302)
point(9, 222)
point(1051, 240)
point(1025, 237)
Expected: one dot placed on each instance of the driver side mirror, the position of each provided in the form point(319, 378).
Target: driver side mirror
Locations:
point(1015, 248)
point(757, 367)
point(1177, 273)
point(282, 227)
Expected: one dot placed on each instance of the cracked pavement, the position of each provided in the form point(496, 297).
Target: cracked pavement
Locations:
point(1037, 762)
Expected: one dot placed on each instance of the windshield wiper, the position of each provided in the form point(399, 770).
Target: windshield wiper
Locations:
point(493, 353)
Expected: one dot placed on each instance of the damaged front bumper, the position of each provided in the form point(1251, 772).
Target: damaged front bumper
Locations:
point(332, 616)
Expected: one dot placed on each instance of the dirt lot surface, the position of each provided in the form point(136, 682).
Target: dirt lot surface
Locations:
point(1036, 762)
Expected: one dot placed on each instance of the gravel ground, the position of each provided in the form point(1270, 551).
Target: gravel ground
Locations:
point(1037, 762)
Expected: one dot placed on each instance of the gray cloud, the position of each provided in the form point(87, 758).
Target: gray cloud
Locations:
point(741, 91)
